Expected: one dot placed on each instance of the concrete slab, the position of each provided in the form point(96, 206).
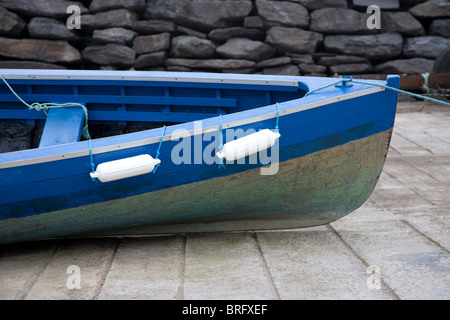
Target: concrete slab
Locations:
point(396, 246)
point(226, 266)
point(316, 264)
point(75, 272)
point(146, 268)
point(411, 265)
point(20, 266)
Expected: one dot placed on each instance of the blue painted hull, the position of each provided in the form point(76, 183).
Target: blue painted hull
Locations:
point(47, 192)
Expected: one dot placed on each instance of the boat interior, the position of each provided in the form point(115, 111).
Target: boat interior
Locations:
point(118, 105)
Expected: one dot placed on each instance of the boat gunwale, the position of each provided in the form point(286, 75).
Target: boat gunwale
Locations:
point(154, 76)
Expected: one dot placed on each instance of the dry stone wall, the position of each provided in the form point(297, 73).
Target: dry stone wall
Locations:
point(296, 37)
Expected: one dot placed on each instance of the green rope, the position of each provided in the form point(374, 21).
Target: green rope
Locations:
point(346, 79)
point(328, 85)
point(420, 96)
point(48, 105)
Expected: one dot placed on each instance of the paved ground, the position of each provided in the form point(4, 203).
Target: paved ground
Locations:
point(394, 247)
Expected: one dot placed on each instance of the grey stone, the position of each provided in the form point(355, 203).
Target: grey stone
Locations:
point(114, 55)
point(114, 35)
point(223, 34)
point(24, 64)
point(382, 4)
point(401, 22)
point(150, 60)
point(406, 66)
point(440, 27)
point(192, 47)
point(302, 58)
point(178, 68)
point(427, 46)
point(239, 71)
point(44, 8)
point(380, 46)
point(154, 26)
point(191, 32)
point(242, 48)
point(293, 40)
point(105, 5)
point(122, 18)
point(274, 62)
point(339, 21)
point(12, 24)
point(319, 4)
point(311, 68)
point(199, 14)
point(48, 28)
point(151, 43)
point(342, 59)
point(352, 68)
point(210, 63)
point(286, 70)
point(411, 3)
point(39, 50)
point(442, 62)
point(282, 13)
point(253, 22)
point(431, 9)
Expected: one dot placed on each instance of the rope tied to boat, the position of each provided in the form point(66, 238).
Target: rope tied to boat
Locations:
point(49, 105)
point(278, 118)
point(346, 80)
point(221, 165)
point(159, 147)
point(419, 96)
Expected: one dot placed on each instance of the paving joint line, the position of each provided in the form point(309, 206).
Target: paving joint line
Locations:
point(106, 268)
point(265, 265)
point(411, 189)
point(182, 268)
point(363, 261)
point(415, 143)
point(31, 282)
point(425, 236)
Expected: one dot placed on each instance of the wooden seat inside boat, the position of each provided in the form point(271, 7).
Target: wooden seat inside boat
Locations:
point(63, 125)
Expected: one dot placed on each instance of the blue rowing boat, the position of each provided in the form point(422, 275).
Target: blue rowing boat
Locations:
point(134, 153)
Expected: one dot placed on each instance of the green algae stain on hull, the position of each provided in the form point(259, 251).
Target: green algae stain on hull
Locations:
point(312, 190)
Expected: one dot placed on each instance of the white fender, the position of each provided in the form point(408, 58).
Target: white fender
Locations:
point(125, 168)
point(248, 145)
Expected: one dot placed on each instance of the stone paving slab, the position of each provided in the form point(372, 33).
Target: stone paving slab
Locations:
point(146, 268)
point(396, 246)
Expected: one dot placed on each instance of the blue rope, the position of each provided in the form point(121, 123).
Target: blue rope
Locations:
point(92, 160)
point(278, 117)
point(221, 165)
point(159, 147)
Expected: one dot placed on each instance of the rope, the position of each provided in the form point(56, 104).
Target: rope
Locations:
point(45, 106)
point(92, 160)
point(278, 118)
point(350, 79)
point(159, 147)
point(221, 165)
point(420, 96)
point(343, 80)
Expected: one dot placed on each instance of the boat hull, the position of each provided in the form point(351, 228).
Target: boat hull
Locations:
point(326, 163)
point(312, 190)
